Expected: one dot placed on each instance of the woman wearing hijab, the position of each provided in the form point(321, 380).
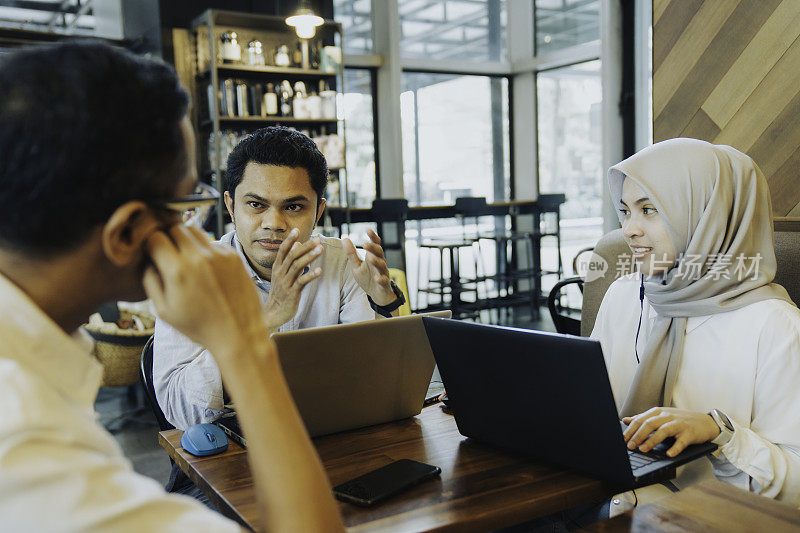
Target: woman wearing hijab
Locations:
point(699, 344)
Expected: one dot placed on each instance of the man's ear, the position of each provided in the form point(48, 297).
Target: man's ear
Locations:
point(126, 231)
point(320, 210)
point(228, 203)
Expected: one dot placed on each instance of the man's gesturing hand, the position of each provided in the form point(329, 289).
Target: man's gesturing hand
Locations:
point(289, 278)
point(371, 274)
point(647, 429)
point(203, 290)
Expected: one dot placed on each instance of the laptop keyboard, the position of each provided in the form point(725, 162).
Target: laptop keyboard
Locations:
point(640, 460)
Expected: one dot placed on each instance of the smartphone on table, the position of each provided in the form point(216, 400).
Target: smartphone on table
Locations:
point(384, 482)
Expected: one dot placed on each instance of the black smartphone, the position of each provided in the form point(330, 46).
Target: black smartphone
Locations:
point(386, 481)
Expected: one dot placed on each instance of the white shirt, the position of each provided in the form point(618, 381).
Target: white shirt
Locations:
point(186, 378)
point(59, 469)
point(746, 363)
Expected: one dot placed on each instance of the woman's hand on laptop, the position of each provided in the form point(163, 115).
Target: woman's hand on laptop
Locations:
point(648, 429)
point(371, 274)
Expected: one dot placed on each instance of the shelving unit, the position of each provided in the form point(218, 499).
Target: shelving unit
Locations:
point(269, 121)
point(282, 71)
point(210, 69)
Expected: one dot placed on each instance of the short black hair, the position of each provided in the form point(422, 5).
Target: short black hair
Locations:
point(282, 147)
point(84, 128)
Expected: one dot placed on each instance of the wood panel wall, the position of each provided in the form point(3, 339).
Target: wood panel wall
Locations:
point(728, 71)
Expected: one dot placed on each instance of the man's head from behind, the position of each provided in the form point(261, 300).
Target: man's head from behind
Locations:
point(86, 129)
point(275, 181)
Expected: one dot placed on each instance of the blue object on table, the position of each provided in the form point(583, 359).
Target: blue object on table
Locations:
point(204, 439)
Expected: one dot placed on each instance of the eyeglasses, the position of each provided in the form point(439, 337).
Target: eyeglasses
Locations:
point(193, 208)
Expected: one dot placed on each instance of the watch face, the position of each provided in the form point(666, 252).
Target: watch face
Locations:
point(725, 420)
point(722, 417)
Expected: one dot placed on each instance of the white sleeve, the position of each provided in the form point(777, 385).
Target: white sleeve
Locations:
point(767, 448)
point(55, 486)
point(60, 471)
point(186, 378)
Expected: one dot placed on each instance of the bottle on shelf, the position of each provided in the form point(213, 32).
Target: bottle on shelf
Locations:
point(211, 94)
point(332, 190)
point(313, 60)
point(228, 98)
point(297, 56)
point(270, 104)
point(255, 53)
point(299, 104)
point(314, 105)
point(282, 56)
point(241, 99)
point(285, 99)
point(328, 104)
point(229, 50)
point(255, 92)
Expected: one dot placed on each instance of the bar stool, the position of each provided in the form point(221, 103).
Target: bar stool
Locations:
point(449, 288)
point(455, 285)
point(547, 204)
point(506, 275)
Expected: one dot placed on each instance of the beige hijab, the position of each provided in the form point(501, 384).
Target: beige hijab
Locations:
point(715, 202)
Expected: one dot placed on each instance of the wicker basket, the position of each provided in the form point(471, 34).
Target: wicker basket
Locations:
point(120, 350)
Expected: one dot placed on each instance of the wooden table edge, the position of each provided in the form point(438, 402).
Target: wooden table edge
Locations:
point(224, 506)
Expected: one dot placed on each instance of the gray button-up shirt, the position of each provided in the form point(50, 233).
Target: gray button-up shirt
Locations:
point(186, 378)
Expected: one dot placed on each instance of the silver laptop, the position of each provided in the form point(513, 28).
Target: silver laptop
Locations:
point(354, 375)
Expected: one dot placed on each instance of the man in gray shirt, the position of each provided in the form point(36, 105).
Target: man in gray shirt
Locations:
point(275, 182)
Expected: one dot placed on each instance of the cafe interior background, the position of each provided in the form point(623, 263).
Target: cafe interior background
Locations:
point(518, 106)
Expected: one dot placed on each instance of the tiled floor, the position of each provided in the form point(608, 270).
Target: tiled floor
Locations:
point(132, 423)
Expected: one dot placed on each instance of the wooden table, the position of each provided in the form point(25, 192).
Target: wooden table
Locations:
point(707, 506)
point(480, 488)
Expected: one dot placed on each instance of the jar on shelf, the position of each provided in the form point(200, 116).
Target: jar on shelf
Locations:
point(328, 104)
point(314, 106)
point(300, 108)
point(255, 53)
point(269, 106)
point(282, 56)
point(229, 50)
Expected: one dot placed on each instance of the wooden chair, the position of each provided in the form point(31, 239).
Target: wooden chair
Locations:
point(399, 277)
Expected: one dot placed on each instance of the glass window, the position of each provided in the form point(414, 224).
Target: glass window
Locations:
point(570, 154)
point(564, 23)
point(455, 137)
point(453, 29)
point(359, 137)
point(354, 15)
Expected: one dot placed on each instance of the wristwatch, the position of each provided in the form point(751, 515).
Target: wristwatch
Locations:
point(386, 310)
point(726, 428)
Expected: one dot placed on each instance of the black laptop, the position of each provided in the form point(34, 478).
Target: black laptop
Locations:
point(543, 394)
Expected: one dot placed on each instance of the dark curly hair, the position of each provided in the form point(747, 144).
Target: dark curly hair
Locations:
point(84, 128)
point(279, 146)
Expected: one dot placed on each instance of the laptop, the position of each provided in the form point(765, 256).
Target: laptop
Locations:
point(349, 376)
point(543, 394)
